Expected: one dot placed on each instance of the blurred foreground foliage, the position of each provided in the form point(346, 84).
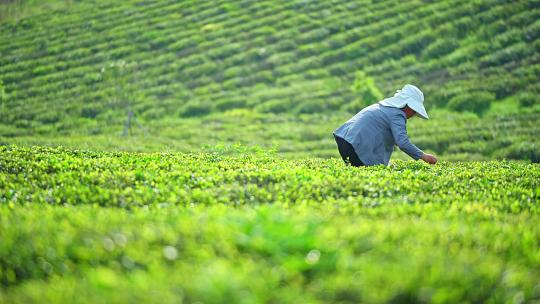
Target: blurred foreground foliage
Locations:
point(248, 226)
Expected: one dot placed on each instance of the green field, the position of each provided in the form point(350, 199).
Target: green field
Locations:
point(199, 73)
point(228, 187)
point(82, 226)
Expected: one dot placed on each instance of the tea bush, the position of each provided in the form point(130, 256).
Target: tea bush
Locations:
point(477, 102)
point(249, 226)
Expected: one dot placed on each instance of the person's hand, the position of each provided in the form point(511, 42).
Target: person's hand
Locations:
point(430, 159)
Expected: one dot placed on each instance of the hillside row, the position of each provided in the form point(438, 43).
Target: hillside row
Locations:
point(274, 56)
point(71, 76)
point(451, 136)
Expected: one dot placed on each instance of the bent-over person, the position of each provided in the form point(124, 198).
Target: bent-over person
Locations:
point(368, 138)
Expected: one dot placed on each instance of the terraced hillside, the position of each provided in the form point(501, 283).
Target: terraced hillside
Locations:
point(275, 73)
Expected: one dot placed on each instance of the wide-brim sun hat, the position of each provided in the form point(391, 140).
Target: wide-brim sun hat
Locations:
point(410, 96)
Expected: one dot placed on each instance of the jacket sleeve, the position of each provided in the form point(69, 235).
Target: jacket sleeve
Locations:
point(399, 131)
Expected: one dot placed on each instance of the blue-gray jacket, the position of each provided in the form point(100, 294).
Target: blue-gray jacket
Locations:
point(373, 132)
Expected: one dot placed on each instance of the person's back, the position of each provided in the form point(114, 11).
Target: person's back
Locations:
point(368, 138)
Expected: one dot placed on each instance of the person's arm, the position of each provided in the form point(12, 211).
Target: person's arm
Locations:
point(399, 131)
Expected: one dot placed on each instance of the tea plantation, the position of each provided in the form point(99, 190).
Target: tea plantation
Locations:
point(82, 226)
point(198, 73)
point(182, 152)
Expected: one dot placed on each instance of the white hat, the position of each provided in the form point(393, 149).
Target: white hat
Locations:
point(408, 96)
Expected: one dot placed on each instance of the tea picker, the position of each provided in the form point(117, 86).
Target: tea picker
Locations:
point(368, 138)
